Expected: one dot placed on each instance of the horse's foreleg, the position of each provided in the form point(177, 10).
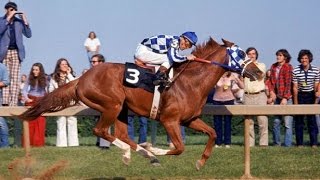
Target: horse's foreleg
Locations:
point(201, 126)
point(174, 132)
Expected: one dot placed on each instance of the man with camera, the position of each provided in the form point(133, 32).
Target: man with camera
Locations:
point(13, 26)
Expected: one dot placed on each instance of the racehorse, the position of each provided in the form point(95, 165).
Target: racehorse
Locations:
point(102, 89)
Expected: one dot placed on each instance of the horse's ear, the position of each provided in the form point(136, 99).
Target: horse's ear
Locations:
point(227, 43)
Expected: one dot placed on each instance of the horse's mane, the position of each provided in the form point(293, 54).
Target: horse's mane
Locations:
point(205, 48)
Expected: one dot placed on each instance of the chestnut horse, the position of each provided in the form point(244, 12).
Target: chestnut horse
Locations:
point(102, 89)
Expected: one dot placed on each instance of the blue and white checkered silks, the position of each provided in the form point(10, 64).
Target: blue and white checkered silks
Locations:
point(237, 57)
point(161, 43)
point(165, 44)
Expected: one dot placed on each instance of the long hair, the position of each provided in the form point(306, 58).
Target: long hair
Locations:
point(41, 80)
point(56, 74)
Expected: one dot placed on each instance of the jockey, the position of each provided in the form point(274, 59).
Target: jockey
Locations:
point(164, 50)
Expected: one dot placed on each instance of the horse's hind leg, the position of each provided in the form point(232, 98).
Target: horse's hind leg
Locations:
point(107, 118)
point(201, 126)
point(121, 132)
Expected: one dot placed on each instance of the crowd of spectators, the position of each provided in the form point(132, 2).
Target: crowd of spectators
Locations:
point(283, 85)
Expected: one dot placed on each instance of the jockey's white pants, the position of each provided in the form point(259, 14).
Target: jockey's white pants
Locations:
point(67, 131)
point(147, 56)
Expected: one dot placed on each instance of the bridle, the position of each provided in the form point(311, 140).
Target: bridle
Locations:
point(236, 61)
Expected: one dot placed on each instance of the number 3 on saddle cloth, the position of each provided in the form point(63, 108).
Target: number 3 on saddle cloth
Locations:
point(138, 77)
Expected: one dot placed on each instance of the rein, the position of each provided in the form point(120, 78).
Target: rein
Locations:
point(221, 65)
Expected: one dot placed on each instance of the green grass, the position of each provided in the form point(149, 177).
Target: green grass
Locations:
point(89, 162)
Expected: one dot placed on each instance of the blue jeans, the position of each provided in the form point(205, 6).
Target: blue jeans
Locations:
point(318, 121)
point(143, 127)
point(223, 137)
point(288, 120)
point(306, 98)
point(4, 133)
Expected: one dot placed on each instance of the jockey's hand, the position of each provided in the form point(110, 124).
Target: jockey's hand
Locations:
point(191, 57)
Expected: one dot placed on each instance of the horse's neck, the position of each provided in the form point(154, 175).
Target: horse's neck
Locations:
point(201, 77)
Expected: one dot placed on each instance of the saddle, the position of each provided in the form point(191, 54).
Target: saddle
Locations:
point(141, 64)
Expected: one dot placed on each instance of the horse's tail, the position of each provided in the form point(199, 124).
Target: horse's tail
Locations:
point(59, 99)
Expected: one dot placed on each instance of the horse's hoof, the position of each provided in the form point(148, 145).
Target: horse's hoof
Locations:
point(126, 160)
point(198, 165)
point(155, 162)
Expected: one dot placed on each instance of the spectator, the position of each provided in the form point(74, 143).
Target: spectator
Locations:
point(33, 90)
point(238, 91)
point(143, 129)
point(4, 130)
point(224, 96)
point(12, 53)
point(96, 60)
point(254, 94)
point(92, 45)
point(267, 83)
point(318, 99)
point(17, 123)
point(22, 83)
point(67, 129)
point(305, 78)
point(280, 94)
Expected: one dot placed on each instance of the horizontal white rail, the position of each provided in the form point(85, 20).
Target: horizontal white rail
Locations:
point(207, 110)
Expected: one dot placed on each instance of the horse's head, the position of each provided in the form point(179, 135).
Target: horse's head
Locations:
point(241, 63)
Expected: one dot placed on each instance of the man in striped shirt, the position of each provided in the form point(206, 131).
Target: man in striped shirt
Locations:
point(164, 50)
point(305, 78)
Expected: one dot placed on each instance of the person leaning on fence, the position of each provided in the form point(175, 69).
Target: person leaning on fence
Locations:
point(280, 93)
point(4, 130)
point(254, 94)
point(305, 78)
point(35, 88)
point(67, 128)
point(224, 96)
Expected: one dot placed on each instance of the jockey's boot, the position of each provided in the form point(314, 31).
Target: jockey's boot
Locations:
point(161, 77)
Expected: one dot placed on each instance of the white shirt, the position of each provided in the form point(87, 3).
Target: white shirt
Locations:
point(92, 44)
point(54, 85)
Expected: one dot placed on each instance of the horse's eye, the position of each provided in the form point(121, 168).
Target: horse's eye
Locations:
point(241, 54)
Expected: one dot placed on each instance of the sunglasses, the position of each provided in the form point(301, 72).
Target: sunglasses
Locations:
point(12, 9)
point(94, 61)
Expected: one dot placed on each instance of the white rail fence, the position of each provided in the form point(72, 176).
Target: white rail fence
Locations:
point(245, 110)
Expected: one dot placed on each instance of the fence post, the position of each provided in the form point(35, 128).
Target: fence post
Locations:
point(247, 174)
point(26, 137)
